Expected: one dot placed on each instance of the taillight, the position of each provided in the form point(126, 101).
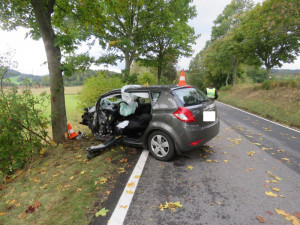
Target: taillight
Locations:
point(184, 115)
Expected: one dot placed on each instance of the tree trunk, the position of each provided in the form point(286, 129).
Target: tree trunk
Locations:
point(227, 78)
point(159, 69)
point(234, 75)
point(268, 72)
point(43, 11)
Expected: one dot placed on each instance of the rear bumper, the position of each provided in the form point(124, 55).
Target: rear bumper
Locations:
point(190, 134)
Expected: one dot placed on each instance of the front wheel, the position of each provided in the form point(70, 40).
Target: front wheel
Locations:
point(161, 146)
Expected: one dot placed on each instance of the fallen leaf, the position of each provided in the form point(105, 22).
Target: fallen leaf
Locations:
point(137, 176)
point(22, 216)
point(79, 189)
point(280, 150)
point(123, 160)
point(208, 160)
point(270, 193)
point(226, 161)
point(264, 149)
point(130, 185)
point(190, 167)
point(72, 177)
point(82, 172)
point(102, 212)
point(2, 213)
point(43, 187)
point(129, 192)
point(256, 144)
point(275, 181)
point(275, 189)
point(123, 206)
point(297, 215)
point(270, 213)
point(277, 178)
point(281, 196)
point(78, 156)
point(103, 180)
point(121, 170)
point(267, 181)
point(37, 204)
point(260, 219)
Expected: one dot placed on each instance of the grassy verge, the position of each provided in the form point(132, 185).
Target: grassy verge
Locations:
point(62, 187)
point(281, 104)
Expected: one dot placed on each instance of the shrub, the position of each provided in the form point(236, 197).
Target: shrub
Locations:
point(147, 79)
point(95, 86)
point(271, 84)
point(23, 128)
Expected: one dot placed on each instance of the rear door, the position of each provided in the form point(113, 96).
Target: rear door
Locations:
point(198, 103)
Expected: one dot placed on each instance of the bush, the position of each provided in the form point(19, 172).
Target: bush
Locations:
point(271, 84)
point(95, 86)
point(22, 133)
point(147, 79)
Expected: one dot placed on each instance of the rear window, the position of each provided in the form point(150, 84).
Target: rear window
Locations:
point(190, 96)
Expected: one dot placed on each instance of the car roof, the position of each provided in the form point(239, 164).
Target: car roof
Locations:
point(152, 88)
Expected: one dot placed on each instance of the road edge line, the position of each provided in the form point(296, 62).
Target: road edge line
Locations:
point(260, 117)
point(120, 211)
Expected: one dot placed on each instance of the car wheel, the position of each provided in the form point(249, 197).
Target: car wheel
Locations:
point(161, 146)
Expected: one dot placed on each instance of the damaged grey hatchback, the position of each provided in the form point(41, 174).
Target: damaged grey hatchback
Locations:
point(164, 119)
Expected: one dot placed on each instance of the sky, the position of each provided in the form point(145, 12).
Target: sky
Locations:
point(31, 56)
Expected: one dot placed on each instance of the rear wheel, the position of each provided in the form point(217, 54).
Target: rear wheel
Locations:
point(161, 146)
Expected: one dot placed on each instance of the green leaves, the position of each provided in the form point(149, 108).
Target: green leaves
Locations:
point(102, 212)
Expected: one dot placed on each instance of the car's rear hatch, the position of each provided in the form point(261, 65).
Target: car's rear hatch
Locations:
point(203, 110)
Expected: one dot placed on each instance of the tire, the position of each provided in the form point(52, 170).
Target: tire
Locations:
point(161, 146)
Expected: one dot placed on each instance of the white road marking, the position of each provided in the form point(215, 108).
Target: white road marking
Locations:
point(260, 117)
point(119, 214)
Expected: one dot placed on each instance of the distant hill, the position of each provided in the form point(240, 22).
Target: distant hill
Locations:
point(77, 79)
point(283, 72)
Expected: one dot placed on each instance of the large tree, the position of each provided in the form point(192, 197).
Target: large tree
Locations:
point(120, 30)
point(168, 36)
point(37, 16)
point(272, 32)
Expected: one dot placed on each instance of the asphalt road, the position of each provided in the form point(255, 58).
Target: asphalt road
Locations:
point(226, 181)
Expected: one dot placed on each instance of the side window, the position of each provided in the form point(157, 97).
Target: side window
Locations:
point(111, 99)
point(155, 96)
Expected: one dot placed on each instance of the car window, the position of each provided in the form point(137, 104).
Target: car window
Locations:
point(155, 96)
point(190, 96)
point(111, 99)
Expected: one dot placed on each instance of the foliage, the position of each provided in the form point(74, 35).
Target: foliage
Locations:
point(196, 72)
point(271, 84)
point(230, 17)
point(96, 86)
point(256, 74)
point(147, 79)
point(168, 35)
point(271, 32)
point(23, 127)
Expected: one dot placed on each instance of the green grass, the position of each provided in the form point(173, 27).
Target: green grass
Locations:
point(279, 104)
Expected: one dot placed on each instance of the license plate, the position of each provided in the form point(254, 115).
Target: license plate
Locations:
point(209, 116)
